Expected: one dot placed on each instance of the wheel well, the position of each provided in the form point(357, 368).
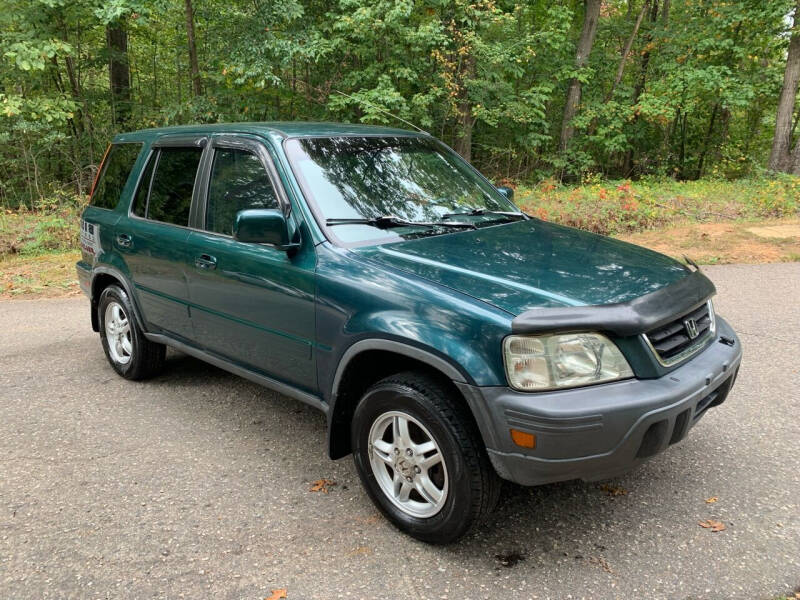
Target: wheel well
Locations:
point(364, 370)
point(99, 283)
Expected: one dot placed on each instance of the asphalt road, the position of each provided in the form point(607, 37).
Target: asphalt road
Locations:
point(196, 485)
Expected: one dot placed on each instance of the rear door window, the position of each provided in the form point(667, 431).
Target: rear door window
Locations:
point(173, 183)
point(117, 168)
point(238, 182)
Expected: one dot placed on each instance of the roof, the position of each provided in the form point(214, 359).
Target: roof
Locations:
point(276, 128)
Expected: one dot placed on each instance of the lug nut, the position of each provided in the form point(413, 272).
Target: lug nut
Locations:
point(409, 452)
point(397, 450)
point(417, 470)
point(408, 478)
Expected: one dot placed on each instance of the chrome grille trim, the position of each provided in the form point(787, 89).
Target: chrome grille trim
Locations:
point(690, 350)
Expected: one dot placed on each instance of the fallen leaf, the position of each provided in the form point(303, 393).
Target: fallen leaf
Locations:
point(711, 500)
point(713, 525)
point(602, 562)
point(510, 559)
point(277, 594)
point(322, 485)
point(613, 490)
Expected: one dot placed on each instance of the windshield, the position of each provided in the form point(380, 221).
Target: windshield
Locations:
point(411, 178)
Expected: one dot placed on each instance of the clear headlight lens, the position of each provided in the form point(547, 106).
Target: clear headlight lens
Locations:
point(564, 360)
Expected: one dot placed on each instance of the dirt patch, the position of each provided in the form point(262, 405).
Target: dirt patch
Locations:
point(46, 276)
point(722, 243)
point(777, 231)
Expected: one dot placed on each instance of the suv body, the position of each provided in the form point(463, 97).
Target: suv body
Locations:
point(507, 344)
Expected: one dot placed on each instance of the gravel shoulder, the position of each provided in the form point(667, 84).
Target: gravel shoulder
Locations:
point(197, 484)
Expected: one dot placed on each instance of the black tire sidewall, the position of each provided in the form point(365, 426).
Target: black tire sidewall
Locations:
point(116, 294)
point(455, 516)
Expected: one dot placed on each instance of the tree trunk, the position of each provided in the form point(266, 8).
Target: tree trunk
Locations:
point(628, 164)
point(119, 72)
point(197, 84)
point(626, 52)
point(780, 159)
point(707, 141)
point(585, 42)
point(463, 143)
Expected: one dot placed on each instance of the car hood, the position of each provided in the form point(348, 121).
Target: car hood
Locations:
point(532, 264)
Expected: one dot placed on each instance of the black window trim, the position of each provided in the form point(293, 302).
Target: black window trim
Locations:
point(104, 166)
point(236, 142)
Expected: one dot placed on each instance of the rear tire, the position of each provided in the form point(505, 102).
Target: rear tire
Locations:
point(421, 458)
point(130, 354)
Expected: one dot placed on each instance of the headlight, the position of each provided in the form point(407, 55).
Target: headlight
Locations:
point(564, 360)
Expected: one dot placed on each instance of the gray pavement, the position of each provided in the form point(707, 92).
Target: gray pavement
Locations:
point(196, 485)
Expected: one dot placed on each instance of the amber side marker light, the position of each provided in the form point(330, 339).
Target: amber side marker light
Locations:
point(523, 439)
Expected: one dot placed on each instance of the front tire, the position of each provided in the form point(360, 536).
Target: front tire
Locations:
point(128, 351)
point(421, 458)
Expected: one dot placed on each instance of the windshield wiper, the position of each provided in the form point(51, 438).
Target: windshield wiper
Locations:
point(389, 221)
point(476, 212)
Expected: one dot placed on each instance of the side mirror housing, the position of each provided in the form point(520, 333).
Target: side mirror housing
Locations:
point(506, 191)
point(263, 226)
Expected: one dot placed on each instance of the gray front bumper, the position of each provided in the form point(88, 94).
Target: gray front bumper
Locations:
point(601, 431)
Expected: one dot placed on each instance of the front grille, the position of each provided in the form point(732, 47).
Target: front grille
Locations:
point(683, 336)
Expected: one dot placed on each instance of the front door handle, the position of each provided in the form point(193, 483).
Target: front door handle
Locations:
point(205, 261)
point(124, 240)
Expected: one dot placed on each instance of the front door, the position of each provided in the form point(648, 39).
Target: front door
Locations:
point(251, 303)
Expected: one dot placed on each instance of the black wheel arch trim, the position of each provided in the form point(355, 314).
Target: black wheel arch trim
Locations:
point(335, 447)
point(404, 348)
point(126, 285)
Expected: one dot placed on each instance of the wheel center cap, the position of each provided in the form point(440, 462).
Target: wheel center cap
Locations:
point(405, 467)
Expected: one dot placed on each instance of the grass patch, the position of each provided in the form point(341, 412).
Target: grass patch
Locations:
point(721, 243)
point(33, 233)
point(43, 276)
point(616, 207)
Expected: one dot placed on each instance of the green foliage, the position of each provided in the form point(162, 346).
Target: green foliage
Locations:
point(696, 98)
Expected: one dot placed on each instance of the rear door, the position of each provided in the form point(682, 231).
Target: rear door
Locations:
point(109, 197)
point(153, 240)
point(251, 303)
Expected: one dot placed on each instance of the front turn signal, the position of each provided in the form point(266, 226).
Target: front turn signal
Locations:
point(523, 439)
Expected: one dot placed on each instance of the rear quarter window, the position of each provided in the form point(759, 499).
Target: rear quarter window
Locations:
point(116, 169)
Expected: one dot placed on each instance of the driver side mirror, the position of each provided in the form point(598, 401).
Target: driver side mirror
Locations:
point(506, 191)
point(263, 226)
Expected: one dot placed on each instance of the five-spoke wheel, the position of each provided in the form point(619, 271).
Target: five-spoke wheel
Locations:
point(118, 333)
point(128, 351)
point(408, 464)
point(421, 458)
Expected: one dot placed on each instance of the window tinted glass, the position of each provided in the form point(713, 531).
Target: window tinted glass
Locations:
point(173, 182)
point(140, 199)
point(238, 181)
point(116, 169)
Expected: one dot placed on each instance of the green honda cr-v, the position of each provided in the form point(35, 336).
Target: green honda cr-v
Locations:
point(450, 339)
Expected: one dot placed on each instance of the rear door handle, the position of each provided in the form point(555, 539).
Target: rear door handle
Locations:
point(124, 240)
point(205, 261)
